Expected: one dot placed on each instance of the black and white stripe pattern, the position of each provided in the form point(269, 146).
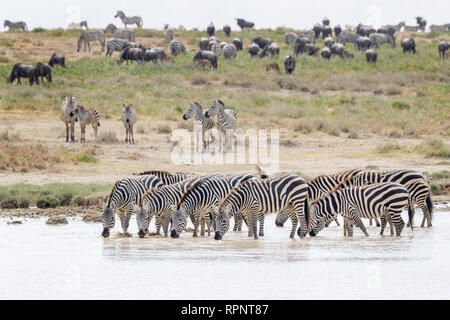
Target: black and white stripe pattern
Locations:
point(345, 37)
point(67, 114)
point(15, 25)
point(88, 36)
point(167, 178)
point(117, 45)
point(129, 20)
point(200, 119)
point(120, 34)
point(265, 196)
point(177, 48)
point(202, 198)
point(384, 200)
point(126, 193)
point(379, 39)
point(226, 118)
point(87, 117)
point(229, 51)
point(290, 38)
point(168, 33)
point(128, 118)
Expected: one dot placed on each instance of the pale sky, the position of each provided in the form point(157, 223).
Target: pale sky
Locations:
point(199, 13)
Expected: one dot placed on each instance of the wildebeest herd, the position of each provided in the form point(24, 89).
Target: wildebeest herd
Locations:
point(366, 38)
point(211, 201)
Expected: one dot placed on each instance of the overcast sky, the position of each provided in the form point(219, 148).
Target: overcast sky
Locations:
point(198, 13)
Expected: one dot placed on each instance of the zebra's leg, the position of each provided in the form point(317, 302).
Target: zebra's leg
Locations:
point(370, 221)
point(377, 222)
point(294, 226)
point(398, 222)
point(261, 224)
point(126, 221)
point(67, 131)
point(345, 226)
point(383, 224)
point(166, 225)
point(300, 212)
point(237, 220)
point(72, 131)
point(254, 223)
point(391, 224)
point(83, 132)
point(202, 227)
point(358, 222)
point(426, 216)
point(195, 221)
point(132, 133)
point(337, 221)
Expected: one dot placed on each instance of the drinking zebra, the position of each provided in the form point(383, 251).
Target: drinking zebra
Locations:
point(120, 34)
point(382, 38)
point(128, 119)
point(160, 203)
point(200, 119)
point(79, 25)
point(117, 45)
point(88, 36)
point(124, 194)
point(67, 114)
point(201, 199)
point(226, 119)
point(15, 25)
point(229, 51)
point(129, 20)
point(255, 196)
point(87, 117)
point(385, 201)
point(177, 48)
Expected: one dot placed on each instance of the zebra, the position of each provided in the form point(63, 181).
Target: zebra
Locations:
point(411, 29)
point(88, 36)
point(87, 117)
point(129, 20)
point(382, 38)
point(201, 199)
point(15, 25)
point(210, 30)
point(286, 192)
point(290, 38)
point(226, 118)
point(345, 37)
point(229, 51)
point(440, 28)
point(177, 48)
point(68, 110)
point(309, 34)
point(200, 119)
point(160, 203)
point(117, 45)
point(227, 30)
point(124, 194)
point(167, 177)
point(216, 47)
point(385, 200)
point(120, 34)
point(168, 33)
point(128, 119)
point(79, 25)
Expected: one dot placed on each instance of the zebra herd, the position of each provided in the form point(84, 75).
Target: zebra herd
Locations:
point(210, 201)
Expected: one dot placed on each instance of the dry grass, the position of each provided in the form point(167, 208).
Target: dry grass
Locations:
point(107, 137)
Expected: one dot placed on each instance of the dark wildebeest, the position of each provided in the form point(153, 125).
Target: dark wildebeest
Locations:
point(371, 56)
point(337, 30)
point(363, 43)
point(422, 23)
point(408, 45)
point(337, 49)
point(203, 44)
point(443, 47)
point(253, 49)
point(44, 70)
point(289, 64)
point(21, 70)
point(328, 42)
point(311, 49)
point(227, 30)
point(326, 53)
point(238, 44)
point(131, 54)
point(57, 59)
point(208, 55)
point(326, 32)
point(326, 21)
point(210, 29)
point(242, 23)
point(272, 67)
point(364, 31)
point(300, 44)
point(272, 48)
point(153, 54)
point(262, 42)
point(317, 30)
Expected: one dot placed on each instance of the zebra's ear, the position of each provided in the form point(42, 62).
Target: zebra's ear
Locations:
point(173, 207)
point(216, 209)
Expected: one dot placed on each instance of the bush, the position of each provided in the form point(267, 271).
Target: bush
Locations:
point(86, 156)
point(39, 29)
point(47, 202)
point(434, 148)
point(400, 105)
point(437, 189)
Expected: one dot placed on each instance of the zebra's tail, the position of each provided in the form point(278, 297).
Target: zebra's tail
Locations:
point(307, 214)
point(429, 204)
point(410, 213)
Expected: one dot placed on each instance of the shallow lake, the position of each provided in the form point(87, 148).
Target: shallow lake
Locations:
point(39, 261)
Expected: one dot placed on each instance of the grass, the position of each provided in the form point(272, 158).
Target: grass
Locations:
point(87, 156)
point(434, 148)
point(49, 195)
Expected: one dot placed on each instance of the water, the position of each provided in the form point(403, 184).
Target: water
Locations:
point(38, 261)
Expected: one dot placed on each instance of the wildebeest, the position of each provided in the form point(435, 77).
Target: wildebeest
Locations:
point(227, 30)
point(208, 55)
point(272, 48)
point(242, 23)
point(317, 30)
point(15, 25)
point(166, 58)
point(311, 49)
point(272, 67)
point(328, 42)
point(44, 70)
point(447, 55)
point(210, 29)
point(326, 53)
point(131, 54)
point(337, 30)
point(203, 44)
point(422, 23)
point(326, 32)
point(253, 49)
point(300, 44)
point(348, 55)
point(386, 30)
point(337, 49)
point(57, 59)
point(326, 21)
point(262, 42)
point(289, 64)
point(204, 63)
point(21, 70)
point(443, 47)
point(238, 43)
point(363, 43)
point(408, 44)
point(153, 54)
point(364, 31)
point(371, 56)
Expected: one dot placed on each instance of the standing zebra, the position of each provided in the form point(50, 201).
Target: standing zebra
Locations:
point(68, 110)
point(200, 119)
point(87, 117)
point(265, 196)
point(88, 36)
point(168, 33)
point(382, 38)
point(202, 198)
point(384, 200)
point(120, 34)
point(79, 25)
point(345, 37)
point(177, 48)
point(290, 38)
point(15, 25)
point(226, 118)
point(160, 202)
point(126, 193)
point(229, 51)
point(129, 20)
point(117, 45)
point(128, 119)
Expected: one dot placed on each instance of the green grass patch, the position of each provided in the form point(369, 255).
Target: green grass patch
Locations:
point(87, 156)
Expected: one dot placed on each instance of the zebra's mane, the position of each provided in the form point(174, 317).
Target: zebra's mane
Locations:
point(146, 193)
point(152, 172)
point(232, 191)
point(188, 191)
point(112, 191)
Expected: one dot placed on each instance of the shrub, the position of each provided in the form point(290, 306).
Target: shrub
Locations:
point(400, 105)
point(39, 29)
point(107, 137)
point(434, 148)
point(437, 189)
point(86, 156)
point(47, 202)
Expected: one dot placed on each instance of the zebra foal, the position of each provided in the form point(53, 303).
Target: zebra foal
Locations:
point(87, 117)
point(200, 119)
point(129, 119)
point(67, 115)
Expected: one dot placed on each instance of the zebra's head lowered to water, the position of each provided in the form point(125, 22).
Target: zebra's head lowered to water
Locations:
point(179, 222)
point(321, 215)
point(222, 222)
point(142, 219)
point(108, 220)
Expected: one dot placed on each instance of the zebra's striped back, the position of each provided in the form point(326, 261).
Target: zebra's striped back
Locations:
point(168, 178)
point(90, 116)
point(129, 20)
point(91, 36)
point(290, 38)
point(229, 51)
point(345, 37)
point(226, 118)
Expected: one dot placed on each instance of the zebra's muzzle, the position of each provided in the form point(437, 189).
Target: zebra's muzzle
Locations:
point(105, 233)
point(312, 234)
point(141, 233)
point(174, 234)
point(184, 117)
point(218, 236)
point(278, 223)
